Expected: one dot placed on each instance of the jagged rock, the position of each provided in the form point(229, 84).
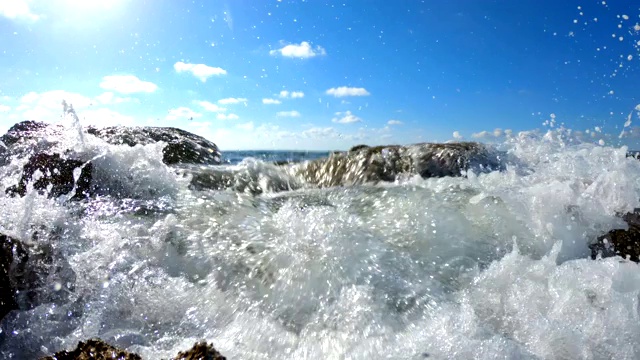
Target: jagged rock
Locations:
point(200, 351)
point(625, 243)
point(183, 147)
point(31, 275)
point(93, 349)
point(56, 176)
point(96, 349)
point(363, 164)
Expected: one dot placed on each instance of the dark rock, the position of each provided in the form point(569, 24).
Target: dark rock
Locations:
point(31, 275)
point(182, 146)
point(96, 349)
point(57, 176)
point(364, 164)
point(358, 148)
point(93, 349)
point(200, 351)
point(625, 243)
point(11, 252)
point(21, 130)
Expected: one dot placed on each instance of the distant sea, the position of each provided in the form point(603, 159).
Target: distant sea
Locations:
point(293, 156)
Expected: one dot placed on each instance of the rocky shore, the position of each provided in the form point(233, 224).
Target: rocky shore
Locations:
point(32, 274)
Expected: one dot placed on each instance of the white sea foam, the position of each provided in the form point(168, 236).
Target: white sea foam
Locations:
point(405, 270)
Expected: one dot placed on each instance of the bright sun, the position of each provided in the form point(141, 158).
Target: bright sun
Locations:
point(94, 4)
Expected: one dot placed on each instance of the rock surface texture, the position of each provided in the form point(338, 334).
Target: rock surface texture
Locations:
point(96, 349)
point(364, 164)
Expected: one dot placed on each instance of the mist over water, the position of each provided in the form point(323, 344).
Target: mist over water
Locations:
point(491, 265)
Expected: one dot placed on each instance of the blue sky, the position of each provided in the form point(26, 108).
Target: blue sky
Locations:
point(322, 75)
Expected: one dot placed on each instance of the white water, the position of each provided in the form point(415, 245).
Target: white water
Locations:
point(421, 268)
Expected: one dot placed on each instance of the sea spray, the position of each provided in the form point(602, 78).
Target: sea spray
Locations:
point(404, 269)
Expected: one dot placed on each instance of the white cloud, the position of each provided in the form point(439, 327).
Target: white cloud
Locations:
point(201, 71)
point(347, 91)
point(317, 132)
point(4, 108)
point(229, 101)
point(208, 106)
point(246, 126)
point(227, 117)
point(271, 101)
point(17, 10)
point(492, 135)
point(291, 94)
point(109, 98)
point(291, 113)
point(345, 118)
point(394, 122)
point(482, 135)
point(52, 100)
point(104, 117)
point(303, 50)
point(182, 113)
point(127, 84)
point(457, 136)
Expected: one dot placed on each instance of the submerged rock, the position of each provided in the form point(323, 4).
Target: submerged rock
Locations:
point(56, 176)
point(200, 351)
point(96, 349)
point(362, 164)
point(625, 243)
point(93, 349)
point(31, 275)
point(183, 147)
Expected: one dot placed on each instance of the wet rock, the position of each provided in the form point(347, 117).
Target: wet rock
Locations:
point(183, 147)
point(625, 243)
point(55, 176)
point(94, 349)
point(10, 250)
point(31, 275)
point(200, 351)
point(362, 164)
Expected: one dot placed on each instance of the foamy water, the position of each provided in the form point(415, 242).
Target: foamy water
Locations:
point(489, 266)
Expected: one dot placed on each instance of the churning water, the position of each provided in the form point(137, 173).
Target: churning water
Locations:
point(486, 266)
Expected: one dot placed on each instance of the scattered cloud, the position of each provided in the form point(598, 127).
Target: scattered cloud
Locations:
point(345, 118)
point(492, 135)
point(209, 106)
point(17, 10)
point(182, 113)
point(457, 136)
point(271, 101)
point(229, 101)
point(246, 126)
point(291, 94)
point(200, 71)
point(394, 122)
point(127, 84)
point(291, 113)
point(227, 117)
point(304, 50)
point(53, 100)
point(322, 133)
point(104, 117)
point(347, 91)
point(109, 98)
point(4, 108)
